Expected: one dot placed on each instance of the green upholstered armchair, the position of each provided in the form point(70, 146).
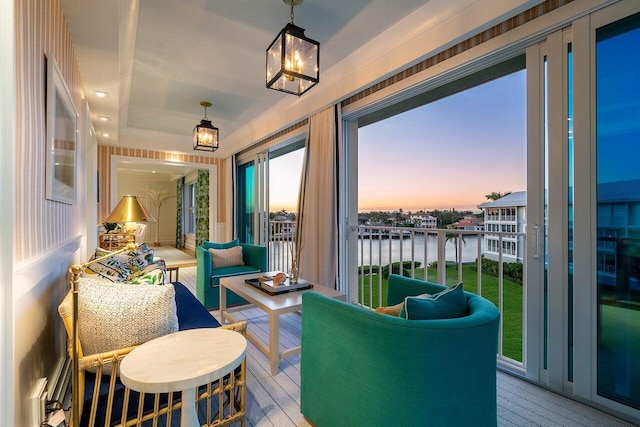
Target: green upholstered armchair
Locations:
point(361, 368)
point(208, 276)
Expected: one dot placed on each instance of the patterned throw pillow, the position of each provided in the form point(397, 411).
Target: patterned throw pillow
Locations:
point(110, 269)
point(120, 267)
point(113, 316)
point(153, 277)
point(231, 257)
point(138, 260)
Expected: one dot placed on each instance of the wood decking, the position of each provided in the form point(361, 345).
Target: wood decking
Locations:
point(275, 401)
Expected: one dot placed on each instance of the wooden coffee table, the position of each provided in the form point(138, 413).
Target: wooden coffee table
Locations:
point(274, 306)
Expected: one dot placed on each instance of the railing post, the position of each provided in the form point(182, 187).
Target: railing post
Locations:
point(442, 259)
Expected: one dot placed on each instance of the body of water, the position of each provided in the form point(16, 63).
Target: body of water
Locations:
point(376, 252)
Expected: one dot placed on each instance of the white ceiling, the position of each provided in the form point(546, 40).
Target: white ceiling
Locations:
point(157, 59)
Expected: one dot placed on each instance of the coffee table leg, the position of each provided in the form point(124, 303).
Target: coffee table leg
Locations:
point(274, 342)
point(222, 300)
point(189, 416)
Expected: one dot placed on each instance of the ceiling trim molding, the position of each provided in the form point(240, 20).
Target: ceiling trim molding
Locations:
point(275, 136)
point(463, 46)
point(436, 26)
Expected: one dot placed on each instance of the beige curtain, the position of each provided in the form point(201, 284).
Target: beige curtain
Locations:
point(317, 221)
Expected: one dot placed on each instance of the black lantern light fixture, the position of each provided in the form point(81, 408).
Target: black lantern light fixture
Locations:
point(205, 135)
point(293, 60)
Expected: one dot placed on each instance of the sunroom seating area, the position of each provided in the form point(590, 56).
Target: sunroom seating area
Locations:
point(389, 370)
point(113, 317)
point(274, 401)
point(519, 310)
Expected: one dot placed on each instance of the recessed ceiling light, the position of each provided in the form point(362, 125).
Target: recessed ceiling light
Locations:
point(101, 94)
point(107, 135)
point(104, 118)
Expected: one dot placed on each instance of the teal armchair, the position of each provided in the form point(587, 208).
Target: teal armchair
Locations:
point(361, 368)
point(208, 277)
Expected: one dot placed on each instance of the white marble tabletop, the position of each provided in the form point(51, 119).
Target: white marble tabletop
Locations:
point(183, 360)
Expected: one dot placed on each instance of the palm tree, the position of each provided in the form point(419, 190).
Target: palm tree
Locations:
point(496, 195)
point(454, 238)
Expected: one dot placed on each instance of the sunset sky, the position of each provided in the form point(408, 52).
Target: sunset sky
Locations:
point(447, 154)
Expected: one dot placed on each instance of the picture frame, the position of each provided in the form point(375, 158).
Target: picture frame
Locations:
point(62, 138)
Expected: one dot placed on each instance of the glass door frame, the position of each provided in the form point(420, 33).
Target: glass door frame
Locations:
point(586, 252)
point(547, 348)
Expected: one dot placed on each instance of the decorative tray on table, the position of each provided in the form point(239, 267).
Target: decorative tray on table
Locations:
point(266, 284)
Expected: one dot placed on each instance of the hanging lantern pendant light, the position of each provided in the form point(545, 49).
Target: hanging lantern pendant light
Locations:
point(293, 60)
point(205, 135)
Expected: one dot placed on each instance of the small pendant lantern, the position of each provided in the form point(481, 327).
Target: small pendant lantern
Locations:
point(293, 60)
point(205, 135)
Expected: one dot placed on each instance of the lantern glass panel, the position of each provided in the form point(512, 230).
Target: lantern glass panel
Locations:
point(274, 58)
point(301, 57)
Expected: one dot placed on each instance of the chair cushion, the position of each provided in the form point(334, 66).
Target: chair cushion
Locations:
point(117, 316)
point(212, 245)
point(234, 271)
point(394, 310)
point(231, 257)
point(447, 304)
point(191, 313)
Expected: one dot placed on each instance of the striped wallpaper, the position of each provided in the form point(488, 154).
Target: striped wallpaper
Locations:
point(40, 224)
point(104, 172)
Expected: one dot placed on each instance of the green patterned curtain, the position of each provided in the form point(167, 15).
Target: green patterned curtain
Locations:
point(202, 207)
point(179, 189)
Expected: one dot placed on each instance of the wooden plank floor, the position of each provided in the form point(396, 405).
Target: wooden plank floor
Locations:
point(275, 401)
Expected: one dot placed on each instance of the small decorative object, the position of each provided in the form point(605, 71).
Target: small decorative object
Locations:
point(109, 226)
point(294, 268)
point(60, 168)
point(293, 60)
point(158, 198)
point(205, 135)
point(279, 279)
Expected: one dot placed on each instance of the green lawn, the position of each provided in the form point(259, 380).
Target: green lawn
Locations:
point(512, 304)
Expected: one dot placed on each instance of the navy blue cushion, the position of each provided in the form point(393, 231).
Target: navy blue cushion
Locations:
point(191, 314)
point(448, 304)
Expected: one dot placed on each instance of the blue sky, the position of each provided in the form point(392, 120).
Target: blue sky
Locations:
point(447, 154)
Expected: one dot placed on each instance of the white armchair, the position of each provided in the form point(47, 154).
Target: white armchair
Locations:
point(140, 233)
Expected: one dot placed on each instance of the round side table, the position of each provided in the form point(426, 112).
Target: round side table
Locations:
point(182, 361)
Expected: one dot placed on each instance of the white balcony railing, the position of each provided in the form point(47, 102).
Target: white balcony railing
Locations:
point(437, 255)
point(449, 256)
point(281, 244)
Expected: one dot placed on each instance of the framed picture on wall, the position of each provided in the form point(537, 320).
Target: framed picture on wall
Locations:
point(62, 122)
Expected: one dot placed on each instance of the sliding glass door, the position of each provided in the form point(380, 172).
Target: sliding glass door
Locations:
point(245, 202)
point(583, 296)
point(617, 85)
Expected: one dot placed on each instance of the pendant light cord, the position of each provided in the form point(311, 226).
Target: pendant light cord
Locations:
point(292, 11)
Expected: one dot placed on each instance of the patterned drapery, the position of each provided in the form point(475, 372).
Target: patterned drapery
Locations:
point(179, 219)
point(202, 206)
